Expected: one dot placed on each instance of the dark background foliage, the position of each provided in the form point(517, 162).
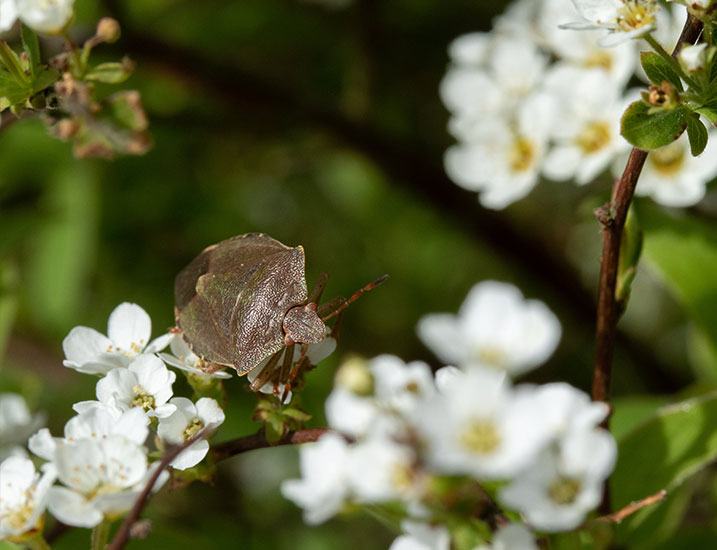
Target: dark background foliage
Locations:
point(319, 127)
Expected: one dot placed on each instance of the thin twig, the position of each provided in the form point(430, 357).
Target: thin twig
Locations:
point(633, 507)
point(123, 533)
point(258, 440)
point(612, 217)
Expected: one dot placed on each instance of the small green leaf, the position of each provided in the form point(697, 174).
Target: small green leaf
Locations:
point(32, 48)
point(296, 414)
point(647, 127)
point(658, 70)
point(274, 428)
point(111, 73)
point(630, 250)
point(709, 111)
point(44, 78)
point(697, 133)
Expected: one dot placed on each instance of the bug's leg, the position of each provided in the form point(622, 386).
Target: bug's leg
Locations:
point(295, 371)
point(356, 295)
point(266, 373)
point(285, 368)
point(337, 325)
point(330, 306)
point(318, 289)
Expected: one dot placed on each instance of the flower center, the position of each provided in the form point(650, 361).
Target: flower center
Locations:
point(193, 428)
point(492, 356)
point(521, 155)
point(564, 490)
point(18, 516)
point(635, 14)
point(594, 136)
point(600, 59)
point(142, 399)
point(479, 437)
point(668, 160)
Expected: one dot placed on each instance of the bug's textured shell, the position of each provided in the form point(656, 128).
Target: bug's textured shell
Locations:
point(231, 299)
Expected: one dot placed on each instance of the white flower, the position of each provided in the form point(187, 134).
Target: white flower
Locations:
point(16, 423)
point(184, 423)
point(380, 469)
point(557, 492)
point(129, 329)
point(145, 383)
point(102, 479)
point(349, 413)
point(95, 421)
point(588, 139)
point(46, 16)
point(478, 426)
point(314, 353)
point(564, 409)
point(624, 19)
point(514, 536)
point(672, 176)
point(495, 327)
point(503, 165)
point(581, 49)
point(323, 488)
point(399, 386)
point(693, 58)
point(421, 536)
point(23, 496)
point(184, 359)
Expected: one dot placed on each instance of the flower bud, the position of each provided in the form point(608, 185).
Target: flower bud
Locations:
point(355, 376)
point(108, 30)
point(693, 58)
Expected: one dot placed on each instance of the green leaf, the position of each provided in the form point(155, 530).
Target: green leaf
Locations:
point(684, 251)
point(647, 127)
point(45, 78)
point(709, 111)
point(274, 428)
point(296, 414)
point(658, 70)
point(32, 48)
point(111, 73)
point(662, 453)
point(697, 133)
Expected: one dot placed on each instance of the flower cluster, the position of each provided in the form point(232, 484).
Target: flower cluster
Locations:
point(531, 99)
point(424, 441)
point(102, 461)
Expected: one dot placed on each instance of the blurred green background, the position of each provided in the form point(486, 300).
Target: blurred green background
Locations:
point(320, 127)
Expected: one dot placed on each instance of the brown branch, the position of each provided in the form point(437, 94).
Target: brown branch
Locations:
point(633, 507)
point(258, 440)
point(123, 534)
point(612, 217)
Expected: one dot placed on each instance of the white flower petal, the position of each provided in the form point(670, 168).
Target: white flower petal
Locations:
point(129, 328)
point(72, 508)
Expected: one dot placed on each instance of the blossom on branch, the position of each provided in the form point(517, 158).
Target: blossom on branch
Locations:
point(495, 327)
point(128, 332)
point(184, 423)
point(23, 496)
point(624, 19)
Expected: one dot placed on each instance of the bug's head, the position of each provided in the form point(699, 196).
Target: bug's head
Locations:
point(302, 325)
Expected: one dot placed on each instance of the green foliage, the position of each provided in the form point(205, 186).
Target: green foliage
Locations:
point(684, 250)
point(112, 72)
point(697, 134)
point(32, 48)
point(658, 70)
point(663, 452)
point(647, 127)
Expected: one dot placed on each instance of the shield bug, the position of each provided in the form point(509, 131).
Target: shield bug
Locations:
point(244, 300)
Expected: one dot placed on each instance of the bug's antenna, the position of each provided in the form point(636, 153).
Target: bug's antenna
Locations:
point(356, 295)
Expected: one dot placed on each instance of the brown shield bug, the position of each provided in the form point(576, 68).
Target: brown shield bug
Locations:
point(245, 299)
